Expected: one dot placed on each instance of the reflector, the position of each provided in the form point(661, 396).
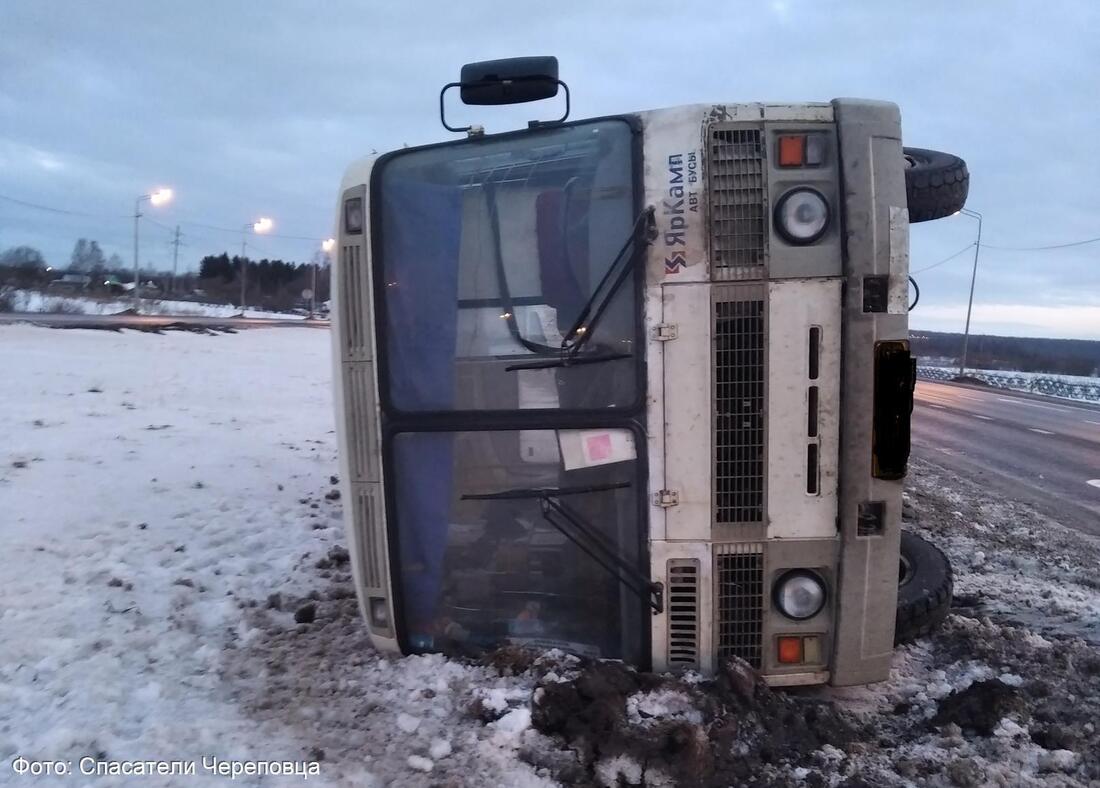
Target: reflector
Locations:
point(790, 650)
point(792, 150)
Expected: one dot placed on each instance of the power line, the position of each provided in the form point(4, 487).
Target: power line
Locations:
point(66, 212)
point(36, 206)
point(1041, 248)
point(944, 260)
point(238, 230)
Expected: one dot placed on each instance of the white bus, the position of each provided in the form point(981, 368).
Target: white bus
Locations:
point(638, 387)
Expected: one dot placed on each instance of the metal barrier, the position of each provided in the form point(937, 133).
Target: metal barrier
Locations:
point(1063, 386)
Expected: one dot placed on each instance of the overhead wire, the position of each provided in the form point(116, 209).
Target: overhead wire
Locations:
point(64, 211)
point(944, 260)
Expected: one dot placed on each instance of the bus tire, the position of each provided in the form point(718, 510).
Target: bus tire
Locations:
point(924, 588)
point(936, 184)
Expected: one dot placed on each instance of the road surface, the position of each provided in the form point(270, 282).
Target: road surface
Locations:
point(1038, 450)
point(150, 322)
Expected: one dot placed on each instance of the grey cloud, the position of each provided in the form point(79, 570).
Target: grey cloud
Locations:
point(250, 109)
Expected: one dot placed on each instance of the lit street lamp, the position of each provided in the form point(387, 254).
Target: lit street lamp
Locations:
point(973, 277)
point(159, 197)
point(261, 225)
point(326, 246)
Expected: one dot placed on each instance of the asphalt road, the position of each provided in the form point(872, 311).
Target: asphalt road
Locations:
point(152, 322)
point(1037, 450)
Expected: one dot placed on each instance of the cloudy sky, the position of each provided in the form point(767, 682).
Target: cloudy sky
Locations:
point(252, 110)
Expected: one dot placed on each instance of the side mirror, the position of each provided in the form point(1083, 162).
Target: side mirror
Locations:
point(515, 80)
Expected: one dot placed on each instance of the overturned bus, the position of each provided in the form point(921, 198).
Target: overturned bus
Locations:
point(638, 387)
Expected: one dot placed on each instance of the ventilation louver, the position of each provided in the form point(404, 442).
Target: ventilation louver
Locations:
point(683, 612)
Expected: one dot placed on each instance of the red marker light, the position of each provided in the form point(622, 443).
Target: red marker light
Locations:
point(792, 150)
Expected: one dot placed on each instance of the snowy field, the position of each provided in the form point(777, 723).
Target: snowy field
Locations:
point(33, 302)
point(168, 511)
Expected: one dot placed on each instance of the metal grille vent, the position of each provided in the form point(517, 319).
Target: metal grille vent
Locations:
point(739, 412)
point(359, 408)
point(368, 529)
point(354, 307)
point(738, 203)
point(739, 591)
point(683, 612)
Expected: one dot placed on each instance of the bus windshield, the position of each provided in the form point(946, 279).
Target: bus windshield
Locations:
point(489, 252)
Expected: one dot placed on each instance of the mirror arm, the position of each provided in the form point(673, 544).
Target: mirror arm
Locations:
point(443, 111)
point(532, 124)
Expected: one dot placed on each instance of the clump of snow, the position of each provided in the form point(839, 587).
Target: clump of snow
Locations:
point(512, 724)
point(612, 772)
point(420, 763)
point(1058, 761)
point(1008, 729)
point(440, 748)
point(645, 708)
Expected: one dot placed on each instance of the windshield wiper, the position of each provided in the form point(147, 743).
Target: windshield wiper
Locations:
point(584, 535)
point(596, 306)
point(591, 311)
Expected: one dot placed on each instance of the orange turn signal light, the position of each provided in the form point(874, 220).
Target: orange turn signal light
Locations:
point(790, 650)
point(792, 150)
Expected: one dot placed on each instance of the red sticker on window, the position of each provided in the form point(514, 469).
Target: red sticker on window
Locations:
point(598, 447)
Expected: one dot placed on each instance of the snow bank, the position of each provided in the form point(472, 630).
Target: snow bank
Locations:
point(34, 302)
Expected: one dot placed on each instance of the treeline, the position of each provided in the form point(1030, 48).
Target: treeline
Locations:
point(1024, 354)
point(272, 284)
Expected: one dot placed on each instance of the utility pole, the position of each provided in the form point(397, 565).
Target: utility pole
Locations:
point(973, 278)
point(175, 257)
point(244, 265)
point(261, 225)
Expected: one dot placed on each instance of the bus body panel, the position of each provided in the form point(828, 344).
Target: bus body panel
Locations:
point(814, 476)
point(874, 208)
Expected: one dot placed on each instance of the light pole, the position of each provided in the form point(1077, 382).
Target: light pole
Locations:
point(261, 225)
point(973, 277)
point(159, 197)
point(326, 246)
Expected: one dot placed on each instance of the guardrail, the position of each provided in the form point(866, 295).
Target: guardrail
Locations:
point(1063, 386)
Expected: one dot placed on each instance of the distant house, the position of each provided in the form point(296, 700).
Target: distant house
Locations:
point(70, 282)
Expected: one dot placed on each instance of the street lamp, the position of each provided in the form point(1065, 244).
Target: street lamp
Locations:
point(159, 197)
point(973, 277)
point(327, 246)
point(261, 225)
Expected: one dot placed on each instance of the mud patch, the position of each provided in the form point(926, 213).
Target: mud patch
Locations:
point(646, 729)
point(980, 707)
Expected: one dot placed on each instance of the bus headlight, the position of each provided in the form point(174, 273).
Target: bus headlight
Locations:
point(799, 594)
point(802, 215)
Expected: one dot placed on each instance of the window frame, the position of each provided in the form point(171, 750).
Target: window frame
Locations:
point(538, 416)
point(394, 421)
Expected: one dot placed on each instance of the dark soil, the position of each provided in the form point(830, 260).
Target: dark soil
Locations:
point(744, 727)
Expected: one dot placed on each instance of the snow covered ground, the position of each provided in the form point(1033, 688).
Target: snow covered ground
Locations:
point(34, 302)
point(174, 586)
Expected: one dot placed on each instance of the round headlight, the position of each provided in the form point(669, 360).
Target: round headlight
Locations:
point(802, 216)
point(799, 594)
